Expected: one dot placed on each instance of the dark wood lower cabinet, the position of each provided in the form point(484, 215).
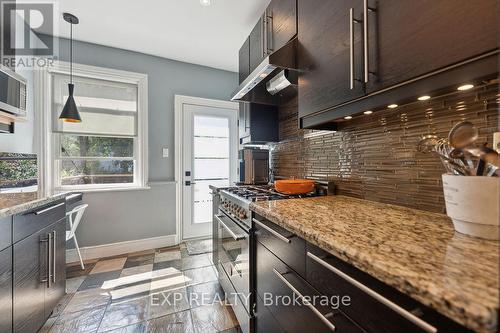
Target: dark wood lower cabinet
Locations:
point(58, 285)
point(6, 290)
point(281, 291)
point(344, 299)
point(30, 269)
point(39, 277)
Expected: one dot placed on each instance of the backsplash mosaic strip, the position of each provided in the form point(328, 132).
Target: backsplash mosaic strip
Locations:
point(374, 157)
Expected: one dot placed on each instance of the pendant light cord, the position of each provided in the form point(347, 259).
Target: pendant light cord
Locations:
point(71, 55)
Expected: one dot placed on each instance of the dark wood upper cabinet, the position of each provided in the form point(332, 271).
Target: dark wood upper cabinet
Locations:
point(324, 53)
point(439, 34)
point(398, 49)
point(281, 26)
point(244, 60)
point(258, 123)
point(276, 26)
point(256, 40)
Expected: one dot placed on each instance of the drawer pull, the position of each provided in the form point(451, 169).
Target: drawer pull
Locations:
point(393, 306)
point(308, 304)
point(40, 212)
point(54, 254)
point(235, 236)
point(273, 232)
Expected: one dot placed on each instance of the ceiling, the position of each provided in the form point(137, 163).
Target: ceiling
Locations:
point(177, 29)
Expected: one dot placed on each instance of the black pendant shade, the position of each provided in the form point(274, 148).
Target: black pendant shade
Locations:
point(70, 112)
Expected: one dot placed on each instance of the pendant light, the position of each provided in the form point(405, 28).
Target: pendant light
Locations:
point(70, 111)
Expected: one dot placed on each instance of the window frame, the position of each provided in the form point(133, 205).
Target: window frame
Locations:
point(49, 145)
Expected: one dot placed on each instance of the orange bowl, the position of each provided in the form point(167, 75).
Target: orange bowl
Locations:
point(294, 186)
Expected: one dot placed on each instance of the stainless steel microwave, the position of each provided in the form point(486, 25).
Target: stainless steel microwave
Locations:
point(12, 92)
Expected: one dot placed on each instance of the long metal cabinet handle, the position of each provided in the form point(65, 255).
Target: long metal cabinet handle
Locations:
point(49, 257)
point(306, 303)
point(351, 48)
point(396, 308)
point(273, 232)
point(54, 254)
point(365, 40)
point(270, 39)
point(40, 212)
point(235, 236)
point(264, 35)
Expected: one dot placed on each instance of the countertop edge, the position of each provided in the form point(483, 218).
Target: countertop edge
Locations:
point(21, 208)
point(441, 305)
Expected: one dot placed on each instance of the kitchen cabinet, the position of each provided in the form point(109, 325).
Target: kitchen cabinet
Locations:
point(357, 302)
point(258, 123)
point(6, 289)
point(30, 269)
point(353, 58)
point(444, 33)
point(244, 60)
point(281, 23)
point(39, 278)
point(276, 27)
point(57, 289)
point(258, 48)
point(324, 54)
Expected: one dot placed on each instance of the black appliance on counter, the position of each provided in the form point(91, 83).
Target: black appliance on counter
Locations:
point(233, 239)
point(254, 166)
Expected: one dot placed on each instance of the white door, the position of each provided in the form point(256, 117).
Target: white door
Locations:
point(209, 157)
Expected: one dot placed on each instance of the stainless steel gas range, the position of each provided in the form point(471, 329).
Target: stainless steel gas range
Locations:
point(233, 239)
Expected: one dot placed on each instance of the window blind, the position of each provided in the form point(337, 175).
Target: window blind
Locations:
point(106, 108)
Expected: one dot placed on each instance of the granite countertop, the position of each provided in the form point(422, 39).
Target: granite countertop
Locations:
point(16, 203)
point(416, 252)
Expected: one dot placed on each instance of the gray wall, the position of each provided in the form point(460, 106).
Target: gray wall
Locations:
point(128, 215)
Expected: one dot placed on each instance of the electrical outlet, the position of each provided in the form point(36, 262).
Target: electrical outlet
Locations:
point(165, 152)
point(496, 141)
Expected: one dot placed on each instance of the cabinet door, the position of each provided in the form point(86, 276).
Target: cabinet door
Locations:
point(278, 286)
point(244, 60)
point(244, 120)
point(30, 270)
point(443, 33)
point(281, 23)
point(324, 57)
point(256, 41)
point(57, 288)
point(6, 290)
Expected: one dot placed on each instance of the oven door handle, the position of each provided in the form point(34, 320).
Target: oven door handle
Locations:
point(235, 236)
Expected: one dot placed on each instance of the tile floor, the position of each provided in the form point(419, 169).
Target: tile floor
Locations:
point(162, 290)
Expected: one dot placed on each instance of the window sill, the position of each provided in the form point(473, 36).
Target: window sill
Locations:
point(102, 189)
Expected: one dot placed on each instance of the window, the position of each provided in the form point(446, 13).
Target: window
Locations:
point(108, 148)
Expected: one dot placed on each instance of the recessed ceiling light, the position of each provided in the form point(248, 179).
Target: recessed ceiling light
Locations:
point(392, 106)
point(205, 2)
point(465, 87)
point(368, 112)
point(424, 98)
point(347, 117)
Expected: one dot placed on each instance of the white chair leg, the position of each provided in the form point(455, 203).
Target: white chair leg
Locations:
point(78, 251)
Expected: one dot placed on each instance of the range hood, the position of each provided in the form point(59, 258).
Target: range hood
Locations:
point(274, 78)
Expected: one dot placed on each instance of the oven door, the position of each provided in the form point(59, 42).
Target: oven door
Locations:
point(233, 248)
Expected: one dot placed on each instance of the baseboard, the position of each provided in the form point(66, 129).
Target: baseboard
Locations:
point(113, 249)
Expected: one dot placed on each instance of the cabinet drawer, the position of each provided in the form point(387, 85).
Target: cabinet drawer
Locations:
point(282, 243)
point(373, 305)
point(264, 320)
point(5, 232)
point(37, 219)
point(282, 292)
